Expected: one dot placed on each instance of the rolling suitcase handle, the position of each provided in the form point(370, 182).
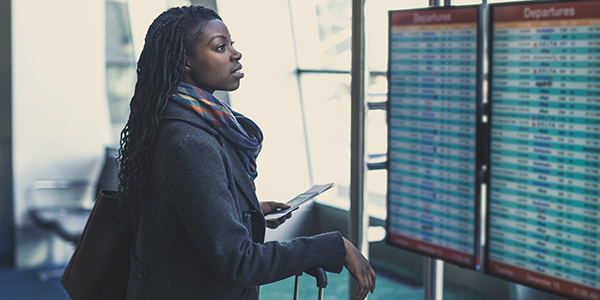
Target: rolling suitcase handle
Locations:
point(321, 276)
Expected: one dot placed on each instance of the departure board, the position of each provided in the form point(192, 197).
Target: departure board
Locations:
point(545, 146)
point(433, 97)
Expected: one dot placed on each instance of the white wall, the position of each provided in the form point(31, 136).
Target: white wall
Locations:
point(59, 107)
point(268, 93)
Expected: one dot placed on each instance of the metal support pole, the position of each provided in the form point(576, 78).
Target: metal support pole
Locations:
point(358, 214)
point(434, 279)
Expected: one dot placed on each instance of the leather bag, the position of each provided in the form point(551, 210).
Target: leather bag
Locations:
point(99, 267)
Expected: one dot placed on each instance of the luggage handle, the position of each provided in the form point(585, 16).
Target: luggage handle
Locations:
point(321, 276)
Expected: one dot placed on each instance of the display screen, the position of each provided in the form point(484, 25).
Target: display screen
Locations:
point(542, 224)
point(432, 133)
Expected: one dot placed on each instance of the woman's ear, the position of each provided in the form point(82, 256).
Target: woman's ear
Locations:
point(186, 66)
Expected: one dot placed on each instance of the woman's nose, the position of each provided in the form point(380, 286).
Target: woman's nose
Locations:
point(237, 55)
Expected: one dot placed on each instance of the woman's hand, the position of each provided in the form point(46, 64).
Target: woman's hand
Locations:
point(268, 207)
point(359, 268)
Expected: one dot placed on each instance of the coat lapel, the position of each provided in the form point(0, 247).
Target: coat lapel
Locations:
point(245, 186)
point(241, 178)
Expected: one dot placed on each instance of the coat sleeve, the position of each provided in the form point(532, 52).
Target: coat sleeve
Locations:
point(200, 190)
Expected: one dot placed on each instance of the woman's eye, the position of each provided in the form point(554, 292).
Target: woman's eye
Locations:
point(221, 48)
point(232, 42)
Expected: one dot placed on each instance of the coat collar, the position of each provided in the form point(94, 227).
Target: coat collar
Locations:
point(176, 111)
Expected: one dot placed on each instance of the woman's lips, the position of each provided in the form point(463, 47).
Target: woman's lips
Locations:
point(238, 74)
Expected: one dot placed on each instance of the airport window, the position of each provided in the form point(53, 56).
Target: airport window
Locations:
point(120, 64)
point(323, 35)
point(121, 56)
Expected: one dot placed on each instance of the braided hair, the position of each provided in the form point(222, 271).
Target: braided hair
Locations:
point(171, 36)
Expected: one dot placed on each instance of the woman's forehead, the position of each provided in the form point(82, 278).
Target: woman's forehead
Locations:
point(214, 28)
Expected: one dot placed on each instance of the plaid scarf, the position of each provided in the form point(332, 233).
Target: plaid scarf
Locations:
point(242, 132)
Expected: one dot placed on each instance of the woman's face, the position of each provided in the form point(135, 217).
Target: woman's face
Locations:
point(214, 63)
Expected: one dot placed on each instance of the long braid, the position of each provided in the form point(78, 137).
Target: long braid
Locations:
point(159, 71)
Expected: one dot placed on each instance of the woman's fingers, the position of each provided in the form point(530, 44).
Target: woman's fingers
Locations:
point(279, 221)
point(360, 268)
point(374, 278)
point(268, 207)
point(365, 285)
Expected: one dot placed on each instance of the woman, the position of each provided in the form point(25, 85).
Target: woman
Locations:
point(187, 166)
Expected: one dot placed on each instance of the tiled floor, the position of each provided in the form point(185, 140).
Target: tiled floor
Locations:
point(337, 289)
point(25, 285)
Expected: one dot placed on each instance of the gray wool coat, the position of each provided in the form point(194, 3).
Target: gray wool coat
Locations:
point(199, 228)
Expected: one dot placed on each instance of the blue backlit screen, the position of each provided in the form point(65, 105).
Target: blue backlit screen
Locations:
point(543, 196)
point(433, 115)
